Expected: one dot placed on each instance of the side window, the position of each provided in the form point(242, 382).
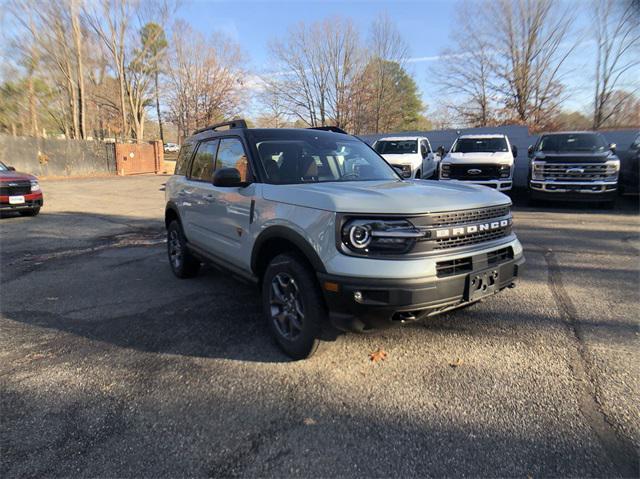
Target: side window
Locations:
point(231, 154)
point(423, 148)
point(182, 163)
point(202, 165)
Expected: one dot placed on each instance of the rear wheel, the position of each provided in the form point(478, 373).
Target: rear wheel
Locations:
point(293, 306)
point(30, 212)
point(182, 262)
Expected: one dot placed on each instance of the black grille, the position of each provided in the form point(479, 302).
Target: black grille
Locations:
point(452, 267)
point(470, 239)
point(574, 171)
point(500, 255)
point(461, 172)
point(12, 188)
point(468, 216)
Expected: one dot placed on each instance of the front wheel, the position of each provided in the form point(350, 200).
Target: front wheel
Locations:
point(293, 306)
point(182, 262)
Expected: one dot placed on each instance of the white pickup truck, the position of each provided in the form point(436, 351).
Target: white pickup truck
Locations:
point(481, 159)
point(412, 155)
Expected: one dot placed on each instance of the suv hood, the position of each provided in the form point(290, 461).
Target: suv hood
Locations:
point(414, 159)
point(15, 175)
point(386, 197)
point(498, 157)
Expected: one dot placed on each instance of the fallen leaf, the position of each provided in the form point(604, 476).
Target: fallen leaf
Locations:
point(52, 298)
point(378, 355)
point(456, 362)
point(309, 421)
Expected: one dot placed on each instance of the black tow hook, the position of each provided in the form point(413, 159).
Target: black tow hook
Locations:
point(512, 285)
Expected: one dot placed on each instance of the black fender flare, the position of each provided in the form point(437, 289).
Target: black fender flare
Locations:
point(171, 206)
point(282, 232)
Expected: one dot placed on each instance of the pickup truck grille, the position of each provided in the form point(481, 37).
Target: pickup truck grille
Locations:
point(574, 171)
point(486, 171)
point(11, 188)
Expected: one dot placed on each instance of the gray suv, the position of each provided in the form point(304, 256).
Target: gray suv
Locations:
point(335, 238)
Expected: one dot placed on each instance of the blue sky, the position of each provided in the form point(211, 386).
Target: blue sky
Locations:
point(427, 26)
point(424, 26)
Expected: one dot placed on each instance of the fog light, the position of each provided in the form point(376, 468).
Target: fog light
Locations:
point(357, 296)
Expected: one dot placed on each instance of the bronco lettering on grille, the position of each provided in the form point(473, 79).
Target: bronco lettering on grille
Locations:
point(470, 229)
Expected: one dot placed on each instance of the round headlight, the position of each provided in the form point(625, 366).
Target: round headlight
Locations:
point(359, 236)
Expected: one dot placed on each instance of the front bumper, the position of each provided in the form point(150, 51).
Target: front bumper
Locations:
point(31, 201)
point(579, 190)
point(504, 184)
point(361, 305)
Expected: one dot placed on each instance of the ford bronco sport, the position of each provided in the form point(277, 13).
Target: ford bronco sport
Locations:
point(19, 192)
point(333, 235)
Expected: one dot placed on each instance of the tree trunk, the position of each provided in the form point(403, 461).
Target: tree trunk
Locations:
point(80, 74)
point(158, 106)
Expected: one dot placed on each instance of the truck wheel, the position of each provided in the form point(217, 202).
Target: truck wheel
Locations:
point(418, 175)
point(293, 306)
point(30, 212)
point(182, 262)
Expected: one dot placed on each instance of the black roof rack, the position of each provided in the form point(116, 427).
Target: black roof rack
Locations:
point(334, 129)
point(238, 123)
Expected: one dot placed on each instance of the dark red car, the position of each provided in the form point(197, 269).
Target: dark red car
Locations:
point(19, 192)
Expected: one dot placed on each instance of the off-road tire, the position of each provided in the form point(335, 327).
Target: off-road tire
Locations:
point(307, 342)
point(183, 263)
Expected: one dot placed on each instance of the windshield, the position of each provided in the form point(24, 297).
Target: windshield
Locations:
point(317, 158)
point(573, 142)
point(388, 147)
point(479, 145)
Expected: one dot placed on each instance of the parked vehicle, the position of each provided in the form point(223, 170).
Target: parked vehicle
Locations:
point(171, 147)
point(482, 160)
point(332, 234)
point(19, 192)
point(574, 166)
point(412, 155)
point(629, 179)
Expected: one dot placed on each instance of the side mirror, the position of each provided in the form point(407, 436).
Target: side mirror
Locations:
point(441, 151)
point(11, 168)
point(227, 177)
point(514, 150)
point(613, 147)
point(530, 150)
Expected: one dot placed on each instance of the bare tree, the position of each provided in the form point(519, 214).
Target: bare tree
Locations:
point(617, 29)
point(387, 47)
point(203, 78)
point(531, 42)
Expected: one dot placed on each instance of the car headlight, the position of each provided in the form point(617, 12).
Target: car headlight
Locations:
point(505, 171)
point(406, 171)
point(35, 186)
point(445, 169)
point(537, 170)
point(370, 237)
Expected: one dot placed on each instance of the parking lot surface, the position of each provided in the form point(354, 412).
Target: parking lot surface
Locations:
point(112, 367)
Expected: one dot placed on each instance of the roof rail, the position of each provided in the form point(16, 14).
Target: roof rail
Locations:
point(334, 129)
point(237, 123)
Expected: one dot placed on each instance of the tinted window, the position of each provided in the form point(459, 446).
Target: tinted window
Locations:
point(636, 144)
point(314, 159)
point(231, 155)
point(386, 147)
point(479, 145)
point(202, 165)
point(573, 142)
point(182, 163)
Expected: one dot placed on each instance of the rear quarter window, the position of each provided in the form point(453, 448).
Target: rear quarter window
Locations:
point(182, 163)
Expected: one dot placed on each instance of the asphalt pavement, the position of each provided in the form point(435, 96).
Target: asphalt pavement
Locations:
point(112, 367)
